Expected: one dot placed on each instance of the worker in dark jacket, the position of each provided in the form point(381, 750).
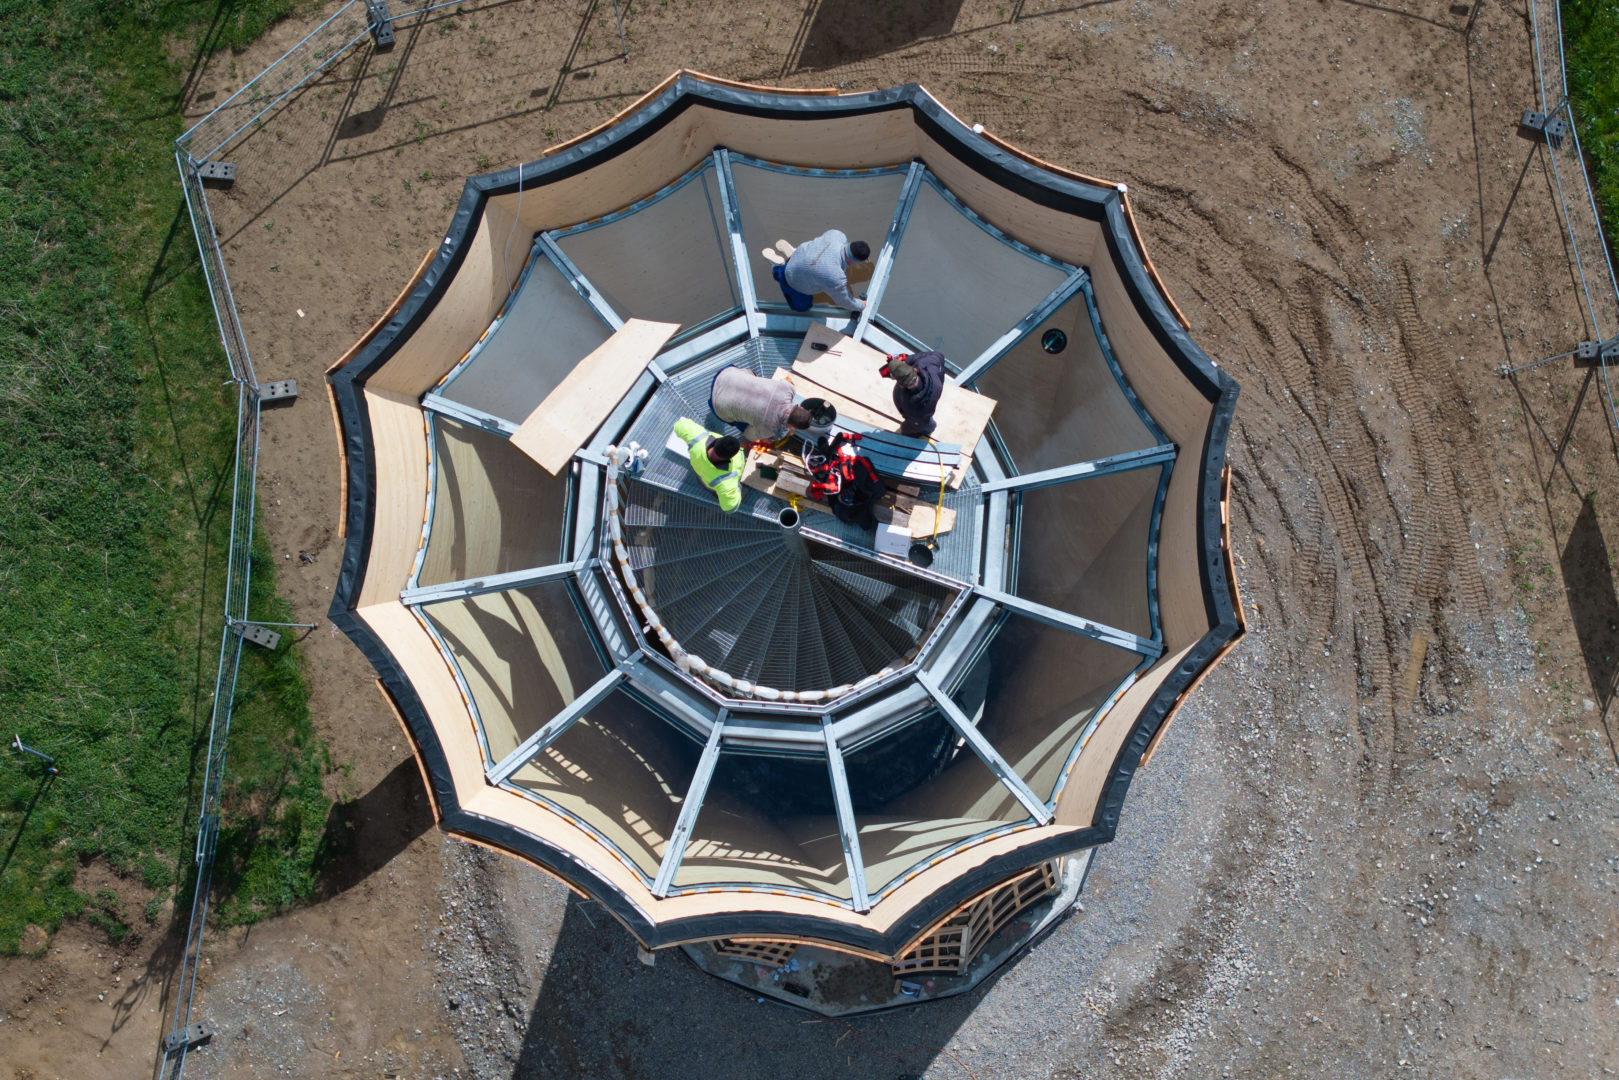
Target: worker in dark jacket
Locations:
point(918, 382)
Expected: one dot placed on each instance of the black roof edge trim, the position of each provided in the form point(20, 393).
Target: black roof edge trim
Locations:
point(355, 422)
point(1073, 196)
point(454, 819)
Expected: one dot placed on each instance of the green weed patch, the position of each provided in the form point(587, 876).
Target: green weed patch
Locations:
point(116, 442)
point(1591, 53)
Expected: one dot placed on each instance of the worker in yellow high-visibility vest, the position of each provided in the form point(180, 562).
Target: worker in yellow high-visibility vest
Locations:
point(717, 460)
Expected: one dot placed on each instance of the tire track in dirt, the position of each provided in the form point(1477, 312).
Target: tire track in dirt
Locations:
point(1291, 307)
point(1293, 421)
point(1426, 372)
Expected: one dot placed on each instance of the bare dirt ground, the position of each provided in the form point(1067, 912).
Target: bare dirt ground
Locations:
point(1383, 840)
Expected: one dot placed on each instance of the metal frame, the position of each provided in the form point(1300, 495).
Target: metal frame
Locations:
point(553, 728)
point(500, 317)
point(1589, 201)
point(553, 236)
point(909, 204)
point(516, 579)
point(776, 307)
point(536, 250)
point(1024, 327)
point(739, 247)
point(885, 257)
point(1063, 474)
point(1040, 810)
point(689, 809)
point(848, 832)
point(432, 401)
point(1074, 624)
point(580, 283)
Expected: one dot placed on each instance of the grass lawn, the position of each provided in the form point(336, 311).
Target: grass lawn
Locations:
point(116, 436)
point(1591, 44)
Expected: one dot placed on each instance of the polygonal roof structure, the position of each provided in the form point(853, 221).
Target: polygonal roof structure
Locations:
point(709, 723)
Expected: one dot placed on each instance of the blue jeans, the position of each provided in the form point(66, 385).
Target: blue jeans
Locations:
point(796, 300)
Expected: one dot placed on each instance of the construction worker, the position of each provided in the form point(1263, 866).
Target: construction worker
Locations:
point(817, 266)
point(717, 460)
point(918, 382)
point(764, 406)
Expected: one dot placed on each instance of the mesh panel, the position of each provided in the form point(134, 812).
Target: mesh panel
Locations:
point(524, 654)
point(955, 287)
point(621, 770)
point(668, 261)
point(1068, 406)
point(1043, 687)
point(792, 207)
point(915, 795)
point(767, 822)
point(547, 329)
point(494, 510)
point(1083, 548)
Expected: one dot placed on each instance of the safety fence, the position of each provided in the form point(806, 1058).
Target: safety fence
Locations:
point(196, 153)
point(1593, 266)
point(212, 138)
point(238, 559)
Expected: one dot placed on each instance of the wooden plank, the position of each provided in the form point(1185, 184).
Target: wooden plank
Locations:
point(791, 484)
point(399, 458)
point(571, 413)
point(922, 520)
point(851, 410)
point(848, 369)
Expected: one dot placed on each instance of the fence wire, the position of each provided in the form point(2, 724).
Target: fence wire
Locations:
point(1593, 266)
point(237, 574)
point(212, 137)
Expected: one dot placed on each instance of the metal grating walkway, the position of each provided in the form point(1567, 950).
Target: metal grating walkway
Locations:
point(771, 606)
point(686, 394)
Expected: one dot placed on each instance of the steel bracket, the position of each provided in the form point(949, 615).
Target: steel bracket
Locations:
point(262, 636)
point(188, 1038)
point(1537, 125)
point(280, 390)
point(382, 27)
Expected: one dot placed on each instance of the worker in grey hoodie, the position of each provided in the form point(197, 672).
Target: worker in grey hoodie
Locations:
point(765, 407)
point(820, 265)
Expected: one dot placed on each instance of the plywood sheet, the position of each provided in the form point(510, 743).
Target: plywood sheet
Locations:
point(849, 370)
point(399, 458)
point(851, 410)
point(565, 420)
point(922, 520)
